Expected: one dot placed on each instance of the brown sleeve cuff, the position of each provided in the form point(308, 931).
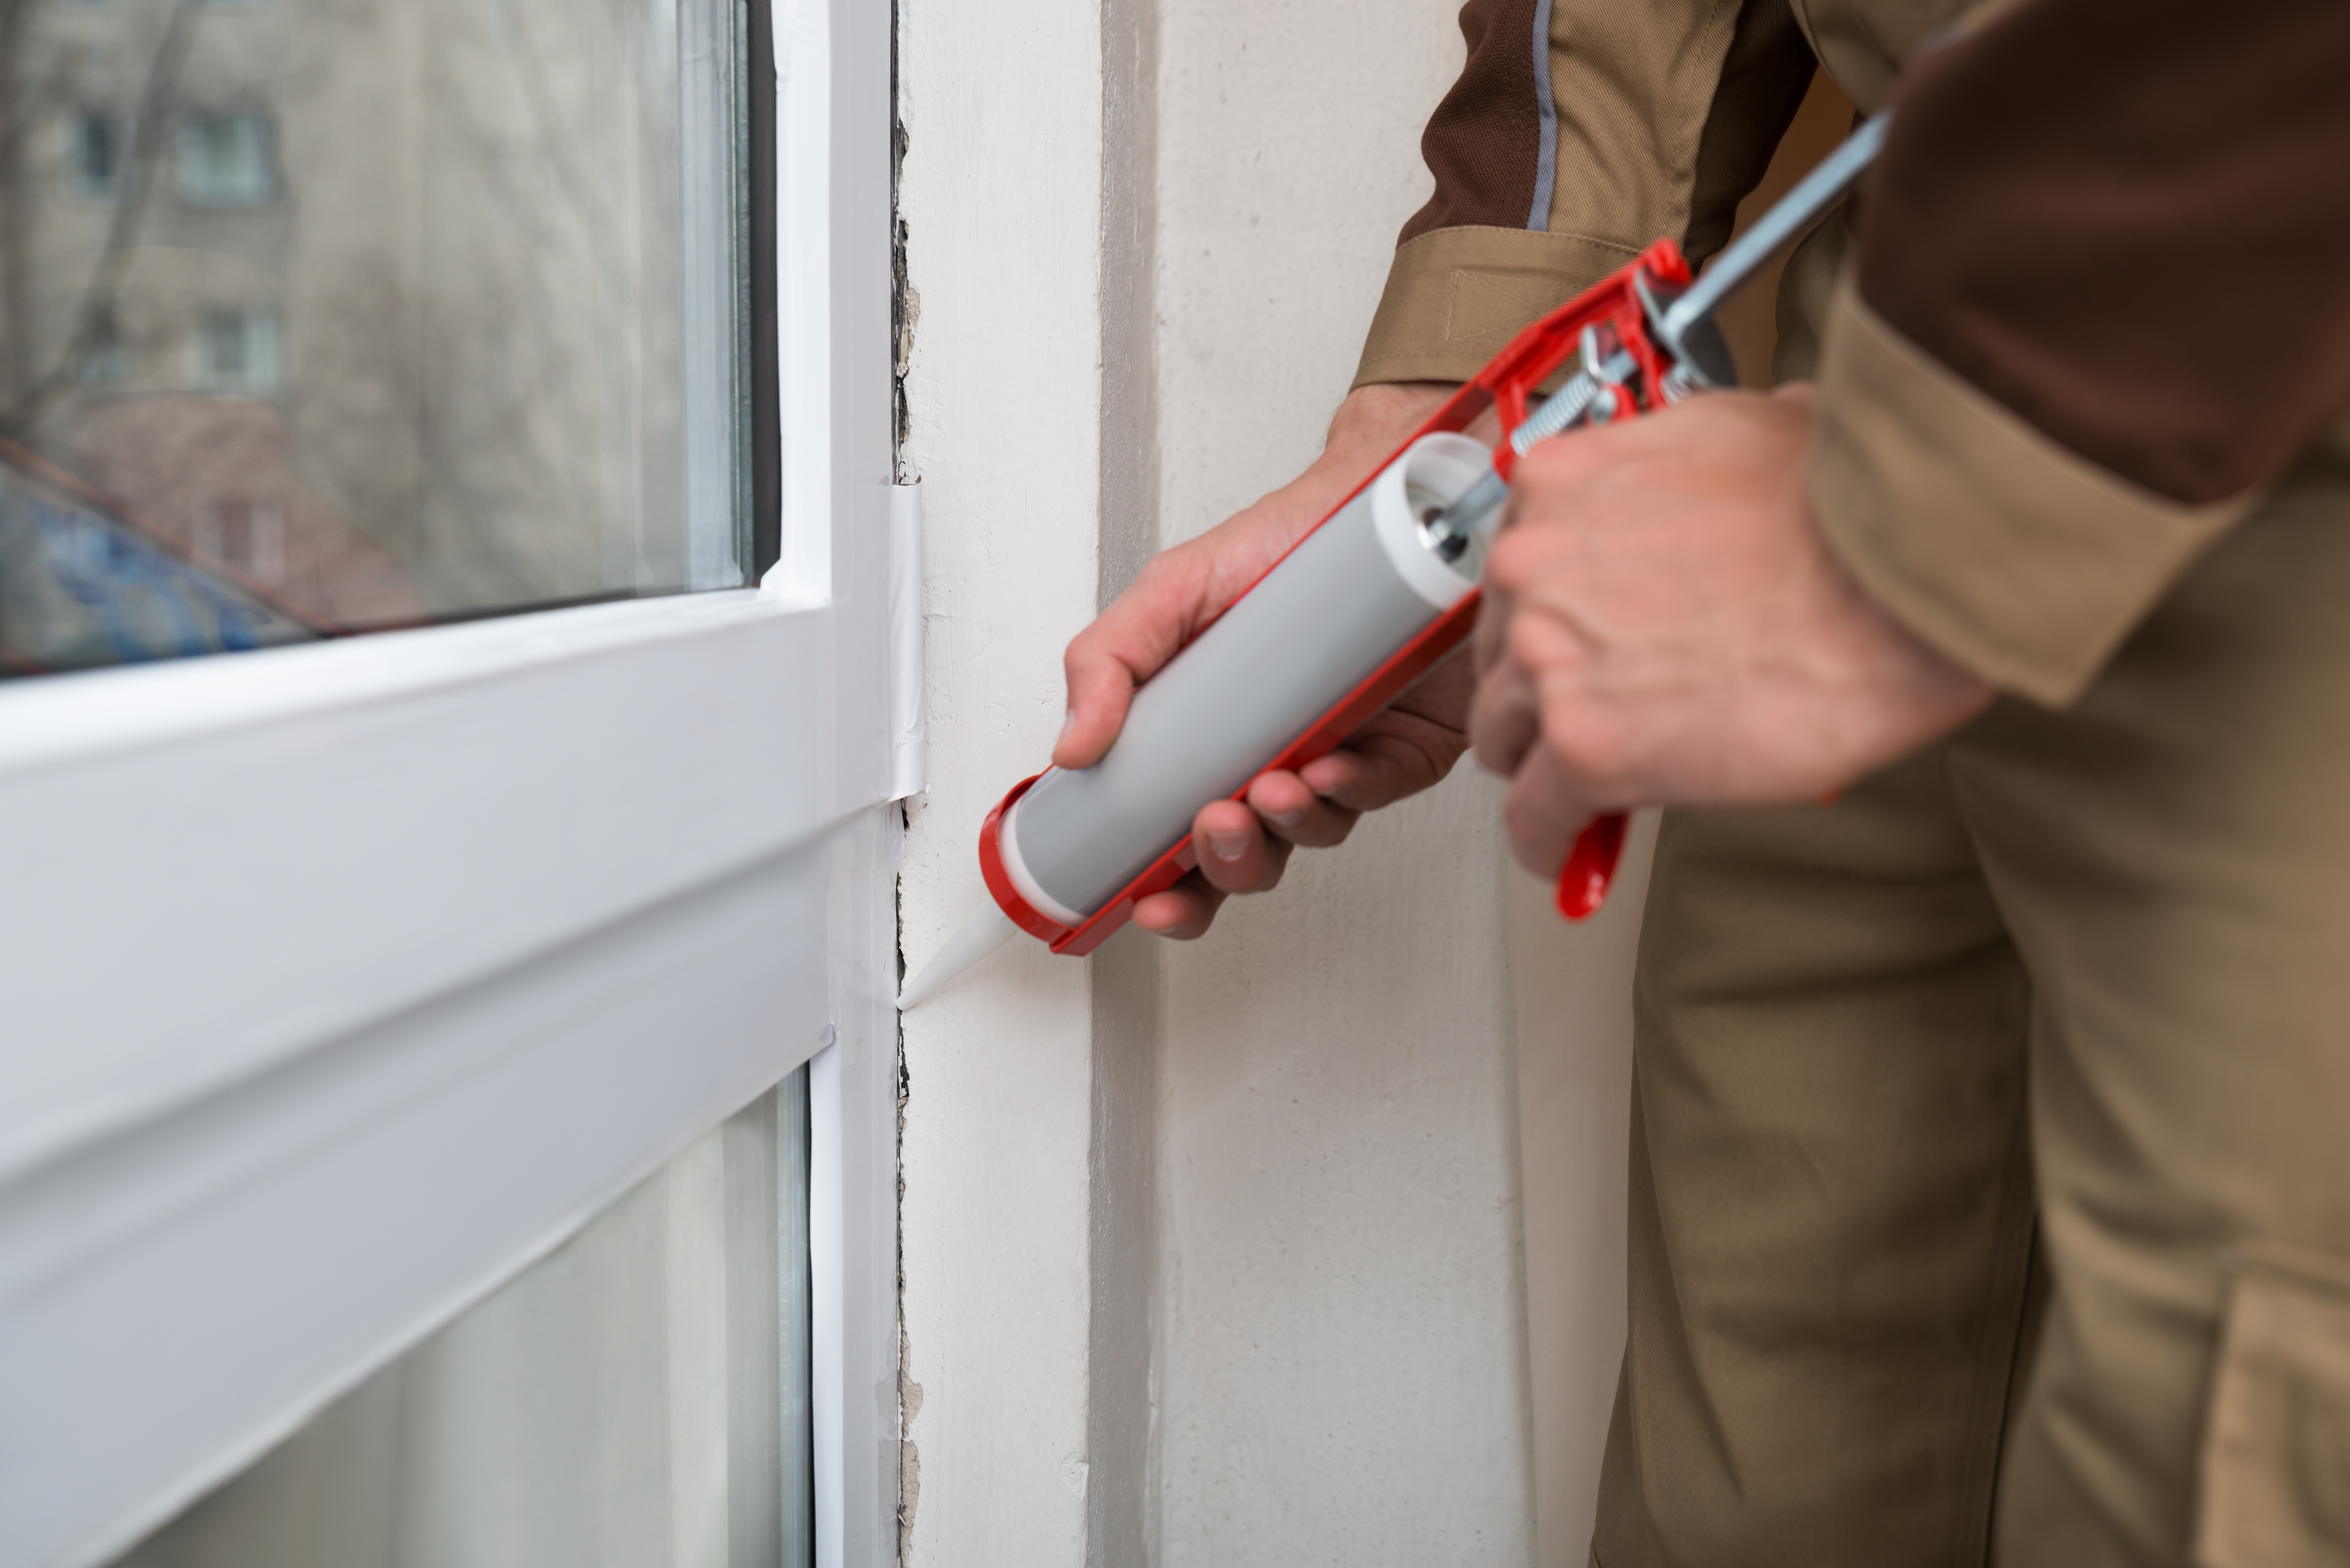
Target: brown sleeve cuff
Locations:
point(1454, 297)
point(2008, 554)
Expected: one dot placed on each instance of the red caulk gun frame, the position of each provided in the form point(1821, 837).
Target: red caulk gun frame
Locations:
point(1619, 302)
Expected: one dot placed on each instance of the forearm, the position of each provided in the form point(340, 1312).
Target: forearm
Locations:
point(1577, 133)
point(2099, 303)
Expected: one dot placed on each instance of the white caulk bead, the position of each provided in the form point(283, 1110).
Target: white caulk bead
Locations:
point(988, 928)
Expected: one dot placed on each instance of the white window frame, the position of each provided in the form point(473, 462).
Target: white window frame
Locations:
point(337, 983)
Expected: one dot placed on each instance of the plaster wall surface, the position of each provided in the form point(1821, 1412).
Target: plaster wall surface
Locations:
point(1342, 1330)
point(1573, 986)
point(1212, 1255)
point(1000, 100)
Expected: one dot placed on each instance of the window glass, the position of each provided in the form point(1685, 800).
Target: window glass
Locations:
point(342, 316)
point(224, 158)
point(638, 1399)
point(93, 153)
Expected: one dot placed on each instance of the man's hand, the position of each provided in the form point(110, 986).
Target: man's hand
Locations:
point(1663, 624)
point(1244, 847)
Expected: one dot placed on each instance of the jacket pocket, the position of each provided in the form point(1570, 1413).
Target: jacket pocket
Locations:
point(2276, 1448)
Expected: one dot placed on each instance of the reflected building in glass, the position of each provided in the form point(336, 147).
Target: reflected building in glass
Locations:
point(344, 313)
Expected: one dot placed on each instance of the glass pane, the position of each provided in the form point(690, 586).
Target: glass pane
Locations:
point(323, 317)
point(638, 1399)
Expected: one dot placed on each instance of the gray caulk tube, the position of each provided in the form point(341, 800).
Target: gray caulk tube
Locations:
point(1352, 594)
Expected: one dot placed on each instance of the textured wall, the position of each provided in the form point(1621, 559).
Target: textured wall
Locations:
point(1574, 1085)
point(1343, 1376)
point(1001, 195)
point(1226, 1240)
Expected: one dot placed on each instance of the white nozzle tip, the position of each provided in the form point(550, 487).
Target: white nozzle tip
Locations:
point(988, 928)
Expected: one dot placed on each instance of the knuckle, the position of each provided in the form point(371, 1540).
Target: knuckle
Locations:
point(1529, 835)
point(1154, 573)
point(1496, 742)
point(1511, 561)
point(1528, 643)
point(1586, 747)
point(1556, 463)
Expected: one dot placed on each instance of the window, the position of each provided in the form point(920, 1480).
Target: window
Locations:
point(246, 538)
point(236, 349)
point(491, 359)
point(105, 355)
point(349, 976)
point(94, 154)
point(636, 1399)
point(224, 158)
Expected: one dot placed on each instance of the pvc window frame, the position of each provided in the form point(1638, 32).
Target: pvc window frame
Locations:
point(343, 981)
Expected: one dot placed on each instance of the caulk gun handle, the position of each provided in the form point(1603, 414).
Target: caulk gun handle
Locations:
point(1590, 866)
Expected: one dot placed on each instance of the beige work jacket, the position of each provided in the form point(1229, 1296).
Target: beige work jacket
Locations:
point(2095, 296)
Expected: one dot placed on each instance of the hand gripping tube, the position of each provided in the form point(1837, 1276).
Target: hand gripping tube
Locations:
point(1353, 614)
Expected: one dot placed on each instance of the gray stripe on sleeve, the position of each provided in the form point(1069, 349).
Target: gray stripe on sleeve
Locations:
point(1546, 106)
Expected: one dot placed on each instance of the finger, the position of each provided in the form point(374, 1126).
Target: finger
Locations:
point(1182, 913)
point(1495, 608)
point(1235, 855)
point(1126, 645)
point(1506, 718)
point(1099, 692)
point(1104, 664)
point(1516, 567)
point(1292, 811)
point(1547, 657)
point(1402, 755)
point(1442, 696)
point(1543, 812)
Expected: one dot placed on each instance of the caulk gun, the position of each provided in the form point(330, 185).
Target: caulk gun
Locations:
point(1360, 608)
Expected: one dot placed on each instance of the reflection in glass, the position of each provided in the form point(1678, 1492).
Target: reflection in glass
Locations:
point(320, 316)
point(94, 158)
point(640, 1397)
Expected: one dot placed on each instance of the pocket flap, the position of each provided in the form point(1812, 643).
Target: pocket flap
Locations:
point(2276, 1450)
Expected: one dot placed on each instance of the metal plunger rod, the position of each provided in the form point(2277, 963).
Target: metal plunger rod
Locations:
point(1813, 195)
point(1450, 531)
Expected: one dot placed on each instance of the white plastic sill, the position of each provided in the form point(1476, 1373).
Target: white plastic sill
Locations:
point(73, 716)
point(224, 864)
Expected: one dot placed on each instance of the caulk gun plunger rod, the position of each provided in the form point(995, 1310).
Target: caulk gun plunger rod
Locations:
point(1450, 531)
point(1813, 195)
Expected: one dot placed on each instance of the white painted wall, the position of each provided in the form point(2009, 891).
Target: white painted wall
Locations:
point(1343, 1375)
point(1214, 1255)
point(1002, 104)
point(1575, 1089)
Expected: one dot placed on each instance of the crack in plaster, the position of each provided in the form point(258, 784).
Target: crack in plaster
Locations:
point(909, 1456)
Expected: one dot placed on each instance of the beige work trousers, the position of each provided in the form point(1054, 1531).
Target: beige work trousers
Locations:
point(1990, 1150)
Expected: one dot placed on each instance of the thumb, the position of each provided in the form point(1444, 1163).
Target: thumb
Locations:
point(1100, 686)
point(1126, 645)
